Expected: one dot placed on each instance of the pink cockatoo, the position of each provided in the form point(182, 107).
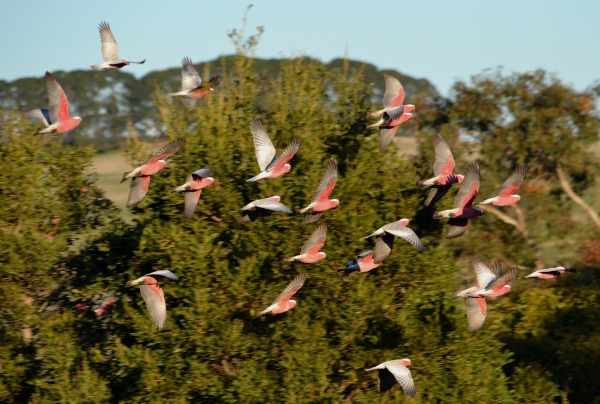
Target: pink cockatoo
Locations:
point(191, 82)
point(192, 189)
point(504, 194)
point(320, 201)
point(491, 282)
point(310, 250)
point(463, 210)
point(282, 303)
point(110, 51)
point(442, 169)
point(141, 175)
point(270, 166)
point(153, 295)
point(394, 371)
point(393, 114)
point(255, 208)
point(56, 118)
point(550, 273)
point(105, 306)
point(371, 259)
point(399, 229)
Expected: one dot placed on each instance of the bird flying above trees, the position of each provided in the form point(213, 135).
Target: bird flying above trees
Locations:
point(192, 189)
point(442, 169)
point(462, 211)
point(270, 166)
point(153, 295)
point(393, 114)
point(110, 50)
point(504, 194)
point(490, 282)
point(310, 250)
point(550, 273)
point(282, 303)
point(394, 371)
point(399, 229)
point(191, 82)
point(320, 201)
point(372, 259)
point(56, 118)
point(140, 176)
point(255, 208)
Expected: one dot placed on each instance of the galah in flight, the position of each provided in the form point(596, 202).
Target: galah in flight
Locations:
point(192, 189)
point(310, 250)
point(463, 210)
point(255, 208)
point(110, 51)
point(491, 282)
point(504, 194)
point(442, 169)
point(393, 114)
point(141, 175)
point(320, 201)
point(191, 82)
point(283, 303)
point(399, 229)
point(153, 295)
point(394, 371)
point(56, 118)
point(371, 259)
point(105, 306)
point(270, 166)
point(550, 273)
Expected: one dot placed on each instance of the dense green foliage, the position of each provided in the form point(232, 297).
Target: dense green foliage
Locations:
point(538, 344)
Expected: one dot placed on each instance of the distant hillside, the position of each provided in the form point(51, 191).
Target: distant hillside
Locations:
point(108, 100)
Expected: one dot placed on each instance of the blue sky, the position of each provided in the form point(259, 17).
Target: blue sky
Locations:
point(439, 40)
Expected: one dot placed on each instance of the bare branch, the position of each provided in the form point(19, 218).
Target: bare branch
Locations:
point(564, 183)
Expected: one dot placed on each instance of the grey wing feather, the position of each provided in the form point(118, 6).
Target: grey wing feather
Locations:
point(38, 114)
point(270, 204)
point(383, 248)
point(191, 199)
point(290, 150)
point(393, 89)
point(54, 95)
point(475, 318)
point(403, 376)
point(405, 233)
point(263, 147)
point(517, 177)
point(190, 78)
point(164, 272)
point(168, 149)
point(456, 227)
point(156, 307)
point(386, 135)
point(292, 287)
point(110, 49)
point(318, 235)
point(485, 274)
point(437, 193)
point(506, 277)
point(442, 152)
point(311, 218)
point(136, 191)
point(330, 174)
point(202, 173)
point(471, 181)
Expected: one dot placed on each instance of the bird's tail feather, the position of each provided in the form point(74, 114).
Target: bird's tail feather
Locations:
point(97, 67)
point(375, 114)
point(437, 214)
point(455, 294)
point(125, 176)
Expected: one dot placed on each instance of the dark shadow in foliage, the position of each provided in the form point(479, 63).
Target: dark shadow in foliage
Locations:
point(574, 365)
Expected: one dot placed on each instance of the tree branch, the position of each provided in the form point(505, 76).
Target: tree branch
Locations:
point(576, 198)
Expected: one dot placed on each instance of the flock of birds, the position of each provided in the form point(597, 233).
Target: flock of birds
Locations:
point(491, 280)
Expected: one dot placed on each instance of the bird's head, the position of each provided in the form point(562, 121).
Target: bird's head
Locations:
point(275, 198)
point(77, 118)
point(517, 197)
point(287, 168)
point(405, 362)
point(404, 222)
point(479, 210)
point(126, 61)
point(291, 304)
point(207, 181)
point(335, 202)
point(460, 178)
point(409, 108)
point(321, 254)
point(408, 115)
point(212, 90)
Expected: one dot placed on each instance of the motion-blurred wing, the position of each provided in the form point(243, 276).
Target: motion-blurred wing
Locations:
point(405, 233)
point(167, 150)
point(394, 92)
point(469, 187)
point(155, 300)
point(110, 49)
point(190, 79)
point(138, 190)
point(291, 288)
point(476, 312)
point(327, 182)
point(316, 240)
point(444, 161)
point(513, 182)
